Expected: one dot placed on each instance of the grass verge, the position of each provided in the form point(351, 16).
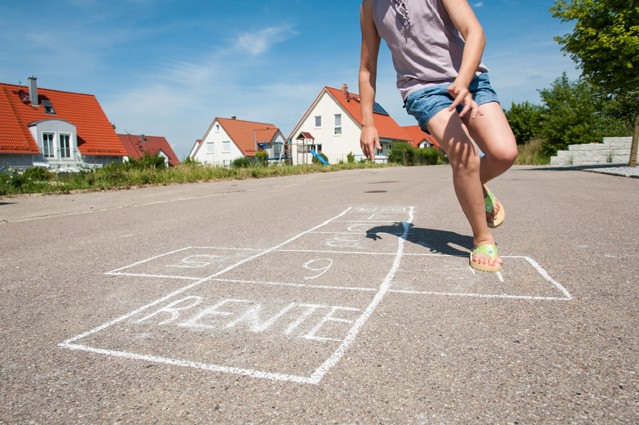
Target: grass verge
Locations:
point(124, 176)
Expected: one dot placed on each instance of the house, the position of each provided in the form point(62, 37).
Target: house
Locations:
point(228, 139)
point(139, 145)
point(332, 126)
point(419, 138)
point(59, 130)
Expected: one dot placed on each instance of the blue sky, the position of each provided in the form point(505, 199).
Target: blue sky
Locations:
point(169, 67)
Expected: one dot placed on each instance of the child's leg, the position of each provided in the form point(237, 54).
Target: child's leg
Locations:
point(492, 133)
point(451, 133)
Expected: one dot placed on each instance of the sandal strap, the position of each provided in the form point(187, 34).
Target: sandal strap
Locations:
point(489, 203)
point(487, 249)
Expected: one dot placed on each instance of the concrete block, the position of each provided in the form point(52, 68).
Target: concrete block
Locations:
point(560, 162)
point(588, 147)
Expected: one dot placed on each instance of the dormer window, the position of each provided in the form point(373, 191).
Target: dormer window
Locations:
point(47, 145)
point(48, 107)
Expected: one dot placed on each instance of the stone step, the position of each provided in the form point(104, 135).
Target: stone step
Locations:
point(614, 150)
point(589, 147)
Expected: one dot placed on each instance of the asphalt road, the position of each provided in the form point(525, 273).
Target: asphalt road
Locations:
point(341, 297)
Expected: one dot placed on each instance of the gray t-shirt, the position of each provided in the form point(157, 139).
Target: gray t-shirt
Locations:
point(425, 44)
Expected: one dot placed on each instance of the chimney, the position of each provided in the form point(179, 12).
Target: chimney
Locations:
point(233, 117)
point(345, 92)
point(142, 138)
point(33, 91)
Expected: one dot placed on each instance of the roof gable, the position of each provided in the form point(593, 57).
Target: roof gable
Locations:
point(417, 135)
point(386, 126)
point(96, 135)
point(245, 134)
point(137, 146)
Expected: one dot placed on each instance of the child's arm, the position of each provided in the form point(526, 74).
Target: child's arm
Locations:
point(466, 22)
point(369, 139)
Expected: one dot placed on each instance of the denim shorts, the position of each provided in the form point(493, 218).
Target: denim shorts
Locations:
point(425, 103)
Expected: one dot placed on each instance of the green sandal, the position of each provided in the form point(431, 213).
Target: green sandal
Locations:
point(489, 203)
point(489, 250)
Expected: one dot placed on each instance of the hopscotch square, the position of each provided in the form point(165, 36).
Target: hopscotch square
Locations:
point(314, 269)
point(433, 274)
point(350, 236)
point(191, 263)
point(287, 332)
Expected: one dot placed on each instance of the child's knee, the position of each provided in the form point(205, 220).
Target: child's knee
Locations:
point(465, 158)
point(509, 155)
point(505, 156)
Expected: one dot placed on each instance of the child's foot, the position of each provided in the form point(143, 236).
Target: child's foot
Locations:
point(485, 258)
point(495, 212)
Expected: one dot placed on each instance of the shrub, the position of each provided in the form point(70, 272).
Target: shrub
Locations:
point(262, 158)
point(350, 158)
point(147, 162)
point(401, 153)
point(242, 162)
point(532, 153)
point(405, 154)
point(38, 174)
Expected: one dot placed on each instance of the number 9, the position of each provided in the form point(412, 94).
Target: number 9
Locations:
point(321, 265)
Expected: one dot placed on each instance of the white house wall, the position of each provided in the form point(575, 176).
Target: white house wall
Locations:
point(335, 147)
point(212, 148)
point(76, 162)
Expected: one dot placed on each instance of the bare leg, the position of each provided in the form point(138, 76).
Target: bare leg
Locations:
point(492, 133)
point(448, 128)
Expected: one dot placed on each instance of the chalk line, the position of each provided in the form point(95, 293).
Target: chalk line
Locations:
point(352, 334)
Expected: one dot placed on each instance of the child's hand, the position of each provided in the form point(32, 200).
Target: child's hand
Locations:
point(369, 141)
point(463, 97)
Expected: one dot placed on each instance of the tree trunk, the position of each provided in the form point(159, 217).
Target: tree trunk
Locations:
point(635, 141)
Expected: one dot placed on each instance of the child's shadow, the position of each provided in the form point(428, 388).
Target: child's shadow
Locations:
point(437, 241)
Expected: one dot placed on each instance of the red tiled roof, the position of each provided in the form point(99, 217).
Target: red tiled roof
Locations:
point(136, 148)
point(387, 128)
point(245, 133)
point(417, 136)
point(96, 135)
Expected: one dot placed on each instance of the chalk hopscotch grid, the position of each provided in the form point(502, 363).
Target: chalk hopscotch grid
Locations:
point(566, 296)
point(325, 367)
point(317, 375)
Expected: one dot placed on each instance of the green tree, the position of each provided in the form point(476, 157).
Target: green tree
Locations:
point(569, 116)
point(524, 119)
point(605, 44)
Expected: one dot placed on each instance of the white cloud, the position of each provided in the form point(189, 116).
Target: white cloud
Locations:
point(180, 99)
point(256, 43)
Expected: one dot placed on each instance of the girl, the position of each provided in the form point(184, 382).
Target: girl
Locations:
point(437, 47)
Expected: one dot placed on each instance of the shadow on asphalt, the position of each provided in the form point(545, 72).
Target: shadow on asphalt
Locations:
point(437, 241)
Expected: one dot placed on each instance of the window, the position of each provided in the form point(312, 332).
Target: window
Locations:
point(48, 107)
point(47, 145)
point(65, 145)
point(226, 146)
point(318, 121)
point(338, 124)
